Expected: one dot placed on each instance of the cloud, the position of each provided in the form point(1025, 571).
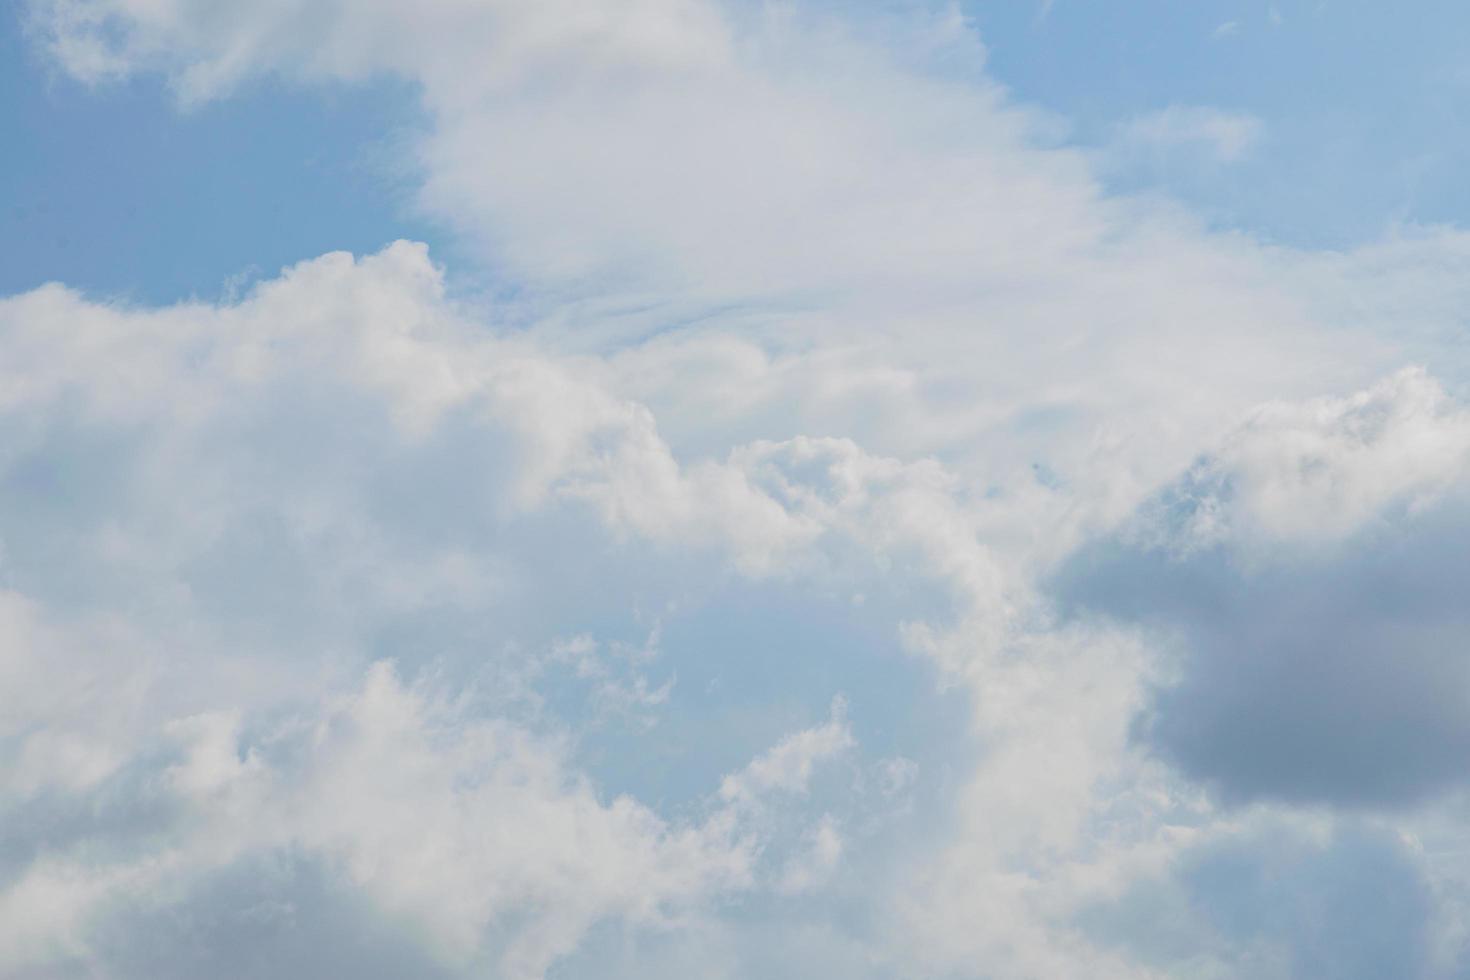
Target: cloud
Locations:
point(271, 520)
point(1210, 134)
point(788, 767)
point(452, 469)
point(439, 822)
point(1306, 571)
point(470, 840)
point(813, 349)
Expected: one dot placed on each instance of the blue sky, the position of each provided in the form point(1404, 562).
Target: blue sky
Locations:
point(104, 184)
point(1360, 110)
point(1361, 106)
point(550, 489)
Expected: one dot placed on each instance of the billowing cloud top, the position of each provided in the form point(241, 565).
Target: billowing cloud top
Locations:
point(844, 538)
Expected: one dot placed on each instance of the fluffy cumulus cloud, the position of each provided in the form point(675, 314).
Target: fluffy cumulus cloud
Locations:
point(842, 538)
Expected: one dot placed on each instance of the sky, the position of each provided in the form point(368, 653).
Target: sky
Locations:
point(494, 488)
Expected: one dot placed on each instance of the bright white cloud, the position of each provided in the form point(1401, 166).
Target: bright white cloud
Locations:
point(1319, 470)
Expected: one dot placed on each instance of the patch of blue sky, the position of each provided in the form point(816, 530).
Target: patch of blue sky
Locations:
point(112, 189)
point(766, 660)
point(1361, 106)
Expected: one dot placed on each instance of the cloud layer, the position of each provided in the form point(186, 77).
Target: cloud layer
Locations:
point(840, 537)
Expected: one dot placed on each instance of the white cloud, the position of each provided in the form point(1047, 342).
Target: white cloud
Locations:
point(1318, 470)
point(808, 869)
point(476, 830)
point(429, 809)
point(787, 767)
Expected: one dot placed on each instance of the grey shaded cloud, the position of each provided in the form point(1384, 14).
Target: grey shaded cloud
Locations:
point(277, 915)
point(1305, 666)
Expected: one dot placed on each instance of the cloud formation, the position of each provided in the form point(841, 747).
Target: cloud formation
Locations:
point(193, 687)
point(1309, 570)
point(792, 562)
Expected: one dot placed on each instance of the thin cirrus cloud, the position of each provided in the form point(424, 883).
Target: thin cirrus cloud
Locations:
point(1210, 135)
point(846, 538)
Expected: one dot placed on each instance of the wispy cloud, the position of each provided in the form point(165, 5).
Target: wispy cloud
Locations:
point(1214, 134)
